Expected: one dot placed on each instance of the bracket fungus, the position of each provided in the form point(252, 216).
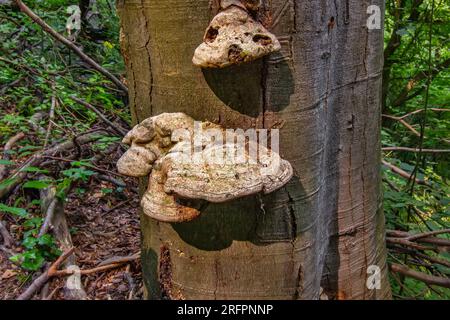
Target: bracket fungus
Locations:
point(234, 37)
point(192, 163)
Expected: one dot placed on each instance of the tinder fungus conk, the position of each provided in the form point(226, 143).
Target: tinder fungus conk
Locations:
point(188, 167)
point(234, 37)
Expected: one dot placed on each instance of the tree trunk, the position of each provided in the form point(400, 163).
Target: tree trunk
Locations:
point(326, 227)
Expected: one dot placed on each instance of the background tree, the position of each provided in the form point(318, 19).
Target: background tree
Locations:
point(415, 140)
point(323, 90)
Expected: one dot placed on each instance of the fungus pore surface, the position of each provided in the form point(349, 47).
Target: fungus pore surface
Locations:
point(192, 163)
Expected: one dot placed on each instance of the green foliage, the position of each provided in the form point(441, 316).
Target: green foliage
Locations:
point(36, 71)
point(20, 212)
point(37, 249)
point(38, 184)
point(409, 206)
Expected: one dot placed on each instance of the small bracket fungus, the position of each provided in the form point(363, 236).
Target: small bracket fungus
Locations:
point(234, 37)
point(192, 163)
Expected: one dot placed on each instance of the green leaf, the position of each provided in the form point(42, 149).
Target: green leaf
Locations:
point(6, 162)
point(46, 240)
point(29, 242)
point(34, 169)
point(16, 258)
point(14, 211)
point(36, 184)
point(32, 260)
point(7, 182)
point(33, 223)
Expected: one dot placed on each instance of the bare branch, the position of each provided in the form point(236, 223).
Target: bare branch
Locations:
point(429, 279)
point(422, 110)
point(416, 150)
point(406, 243)
point(404, 123)
point(402, 173)
point(427, 234)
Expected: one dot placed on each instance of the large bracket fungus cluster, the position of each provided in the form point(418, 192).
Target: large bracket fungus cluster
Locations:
point(188, 166)
point(234, 37)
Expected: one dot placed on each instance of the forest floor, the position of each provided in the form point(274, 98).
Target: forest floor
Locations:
point(103, 227)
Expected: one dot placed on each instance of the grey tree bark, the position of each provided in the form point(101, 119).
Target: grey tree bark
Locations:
point(323, 90)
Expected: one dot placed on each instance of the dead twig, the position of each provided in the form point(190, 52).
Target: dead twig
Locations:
point(115, 260)
point(113, 126)
point(52, 294)
point(116, 207)
point(70, 45)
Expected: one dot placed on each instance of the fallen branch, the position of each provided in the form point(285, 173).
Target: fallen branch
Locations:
point(429, 279)
point(8, 146)
point(117, 264)
point(56, 218)
point(113, 126)
point(44, 277)
point(23, 7)
point(68, 272)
